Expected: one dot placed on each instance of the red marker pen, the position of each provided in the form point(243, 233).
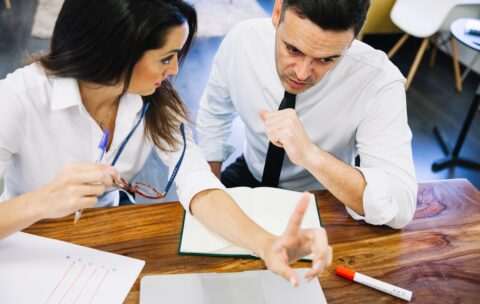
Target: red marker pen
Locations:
point(374, 283)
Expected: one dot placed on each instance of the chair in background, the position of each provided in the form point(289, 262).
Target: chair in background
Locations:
point(463, 9)
point(453, 157)
point(8, 4)
point(423, 19)
point(378, 19)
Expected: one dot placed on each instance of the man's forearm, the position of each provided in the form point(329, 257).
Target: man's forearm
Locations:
point(218, 211)
point(344, 181)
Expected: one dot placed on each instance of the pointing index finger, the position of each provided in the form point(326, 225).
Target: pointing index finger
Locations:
point(297, 216)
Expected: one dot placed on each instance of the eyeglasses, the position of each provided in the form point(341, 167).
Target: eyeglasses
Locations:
point(145, 189)
point(142, 189)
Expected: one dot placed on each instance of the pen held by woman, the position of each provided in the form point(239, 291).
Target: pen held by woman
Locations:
point(102, 147)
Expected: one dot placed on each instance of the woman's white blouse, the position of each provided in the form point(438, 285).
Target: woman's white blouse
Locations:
point(44, 126)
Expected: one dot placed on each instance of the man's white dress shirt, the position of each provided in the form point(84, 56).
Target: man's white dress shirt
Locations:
point(359, 107)
point(44, 126)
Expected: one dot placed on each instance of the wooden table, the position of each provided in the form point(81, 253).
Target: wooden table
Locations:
point(437, 256)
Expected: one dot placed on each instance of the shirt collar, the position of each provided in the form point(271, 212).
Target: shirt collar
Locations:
point(65, 94)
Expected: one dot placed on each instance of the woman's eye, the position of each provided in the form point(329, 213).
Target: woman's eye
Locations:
point(167, 60)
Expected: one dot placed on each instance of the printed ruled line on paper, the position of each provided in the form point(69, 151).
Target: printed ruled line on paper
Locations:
point(71, 285)
point(60, 282)
point(98, 287)
point(85, 285)
point(55, 273)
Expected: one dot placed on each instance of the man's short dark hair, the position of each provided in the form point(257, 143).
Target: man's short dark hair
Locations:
point(333, 15)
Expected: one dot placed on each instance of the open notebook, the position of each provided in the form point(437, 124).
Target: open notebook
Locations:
point(271, 208)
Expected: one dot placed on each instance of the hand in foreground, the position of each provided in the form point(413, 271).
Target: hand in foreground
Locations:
point(296, 243)
point(75, 187)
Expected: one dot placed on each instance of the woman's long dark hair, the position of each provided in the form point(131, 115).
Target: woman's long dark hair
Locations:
point(100, 41)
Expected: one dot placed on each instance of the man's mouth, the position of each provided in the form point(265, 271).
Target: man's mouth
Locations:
point(296, 85)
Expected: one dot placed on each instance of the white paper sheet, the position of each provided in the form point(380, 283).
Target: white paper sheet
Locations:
point(257, 286)
point(35, 269)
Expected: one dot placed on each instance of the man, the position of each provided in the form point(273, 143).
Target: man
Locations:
point(348, 100)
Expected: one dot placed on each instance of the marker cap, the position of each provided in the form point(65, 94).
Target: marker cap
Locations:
point(345, 272)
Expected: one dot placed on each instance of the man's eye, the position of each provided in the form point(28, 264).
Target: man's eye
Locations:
point(326, 60)
point(292, 50)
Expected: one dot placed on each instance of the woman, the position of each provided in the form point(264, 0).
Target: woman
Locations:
point(108, 69)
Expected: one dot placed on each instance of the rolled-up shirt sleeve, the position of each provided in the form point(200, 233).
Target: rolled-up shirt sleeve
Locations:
point(384, 145)
point(216, 110)
point(194, 174)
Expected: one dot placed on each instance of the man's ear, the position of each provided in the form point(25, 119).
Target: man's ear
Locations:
point(351, 42)
point(277, 11)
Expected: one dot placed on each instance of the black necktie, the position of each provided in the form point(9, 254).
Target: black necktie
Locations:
point(275, 155)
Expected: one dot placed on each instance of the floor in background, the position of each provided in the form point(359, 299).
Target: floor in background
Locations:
point(211, 15)
point(432, 99)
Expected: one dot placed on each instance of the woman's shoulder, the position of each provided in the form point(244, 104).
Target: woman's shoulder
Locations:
point(22, 88)
point(25, 78)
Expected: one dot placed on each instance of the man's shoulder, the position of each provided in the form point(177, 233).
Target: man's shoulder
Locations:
point(257, 26)
point(259, 33)
point(363, 56)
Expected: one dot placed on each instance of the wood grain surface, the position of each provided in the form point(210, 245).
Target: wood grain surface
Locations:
point(437, 256)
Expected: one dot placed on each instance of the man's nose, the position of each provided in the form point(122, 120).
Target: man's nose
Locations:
point(303, 69)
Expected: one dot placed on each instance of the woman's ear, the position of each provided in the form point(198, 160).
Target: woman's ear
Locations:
point(277, 11)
